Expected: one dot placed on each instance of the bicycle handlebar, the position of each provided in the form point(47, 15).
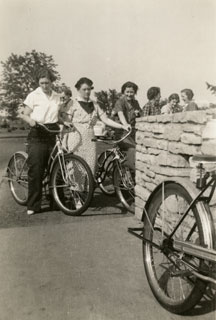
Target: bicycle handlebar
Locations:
point(113, 141)
point(47, 129)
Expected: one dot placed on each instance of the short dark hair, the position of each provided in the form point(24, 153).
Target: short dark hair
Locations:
point(67, 91)
point(174, 96)
point(46, 73)
point(153, 92)
point(189, 93)
point(129, 84)
point(82, 81)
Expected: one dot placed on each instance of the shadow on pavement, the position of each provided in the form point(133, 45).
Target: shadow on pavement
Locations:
point(207, 303)
point(13, 215)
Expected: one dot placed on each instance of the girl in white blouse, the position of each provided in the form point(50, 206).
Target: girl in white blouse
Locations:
point(84, 114)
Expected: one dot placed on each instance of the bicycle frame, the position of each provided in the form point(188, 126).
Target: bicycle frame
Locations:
point(57, 154)
point(116, 154)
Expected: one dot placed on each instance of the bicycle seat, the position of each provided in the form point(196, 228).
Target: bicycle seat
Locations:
point(204, 158)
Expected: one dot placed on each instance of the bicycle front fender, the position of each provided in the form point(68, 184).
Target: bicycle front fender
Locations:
point(23, 153)
point(203, 208)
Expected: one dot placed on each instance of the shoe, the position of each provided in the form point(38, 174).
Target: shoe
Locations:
point(30, 212)
point(78, 205)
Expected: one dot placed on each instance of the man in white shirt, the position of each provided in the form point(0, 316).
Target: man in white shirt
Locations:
point(41, 106)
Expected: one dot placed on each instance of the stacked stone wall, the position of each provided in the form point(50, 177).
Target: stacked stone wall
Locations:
point(164, 145)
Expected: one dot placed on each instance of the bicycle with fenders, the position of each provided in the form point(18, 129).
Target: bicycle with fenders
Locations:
point(178, 238)
point(113, 175)
point(68, 179)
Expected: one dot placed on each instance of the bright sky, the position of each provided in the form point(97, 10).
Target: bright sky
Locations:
point(166, 43)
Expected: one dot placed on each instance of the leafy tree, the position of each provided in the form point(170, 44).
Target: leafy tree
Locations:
point(211, 87)
point(107, 99)
point(19, 78)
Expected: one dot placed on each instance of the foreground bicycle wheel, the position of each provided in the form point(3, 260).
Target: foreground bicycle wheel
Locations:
point(18, 177)
point(74, 196)
point(171, 281)
point(105, 181)
point(124, 183)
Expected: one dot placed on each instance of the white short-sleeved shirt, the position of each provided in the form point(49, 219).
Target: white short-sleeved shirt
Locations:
point(44, 109)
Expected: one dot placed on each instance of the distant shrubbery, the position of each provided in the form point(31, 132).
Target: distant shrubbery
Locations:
point(12, 125)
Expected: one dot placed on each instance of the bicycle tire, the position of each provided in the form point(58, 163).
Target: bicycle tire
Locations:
point(18, 177)
point(69, 200)
point(162, 285)
point(124, 183)
point(106, 185)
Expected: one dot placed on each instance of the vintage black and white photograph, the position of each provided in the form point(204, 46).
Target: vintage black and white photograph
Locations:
point(108, 159)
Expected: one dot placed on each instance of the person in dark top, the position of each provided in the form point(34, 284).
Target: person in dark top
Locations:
point(127, 108)
point(189, 104)
point(152, 107)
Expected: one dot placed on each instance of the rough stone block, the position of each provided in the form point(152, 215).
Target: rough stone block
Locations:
point(138, 213)
point(194, 128)
point(153, 151)
point(141, 148)
point(172, 172)
point(138, 148)
point(164, 118)
point(191, 138)
point(148, 158)
point(171, 160)
point(195, 116)
point(211, 111)
point(150, 173)
point(145, 178)
point(139, 156)
point(142, 119)
point(147, 134)
point(147, 127)
point(141, 166)
point(179, 117)
point(152, 118)
point(139, 138)
point(158, 136)
point(139, 180)
point(144, 150)
point(158, 179)
point(157, 128)
point(155, 143)
point(190, 116)
point(181, 148)
point(140, 203)
point(143, 126)
point(173, 132)
point(142, 192)
point(150, 186)
point(161, 144)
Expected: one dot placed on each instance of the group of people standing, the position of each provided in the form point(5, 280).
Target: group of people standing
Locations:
point(152, 107)
point(45, 106)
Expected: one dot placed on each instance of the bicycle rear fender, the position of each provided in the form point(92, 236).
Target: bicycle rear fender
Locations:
point(203, 209)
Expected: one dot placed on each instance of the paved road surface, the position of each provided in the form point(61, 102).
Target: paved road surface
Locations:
point(56, 267)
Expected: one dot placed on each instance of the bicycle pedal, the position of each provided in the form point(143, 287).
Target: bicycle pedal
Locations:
point(179, 273)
